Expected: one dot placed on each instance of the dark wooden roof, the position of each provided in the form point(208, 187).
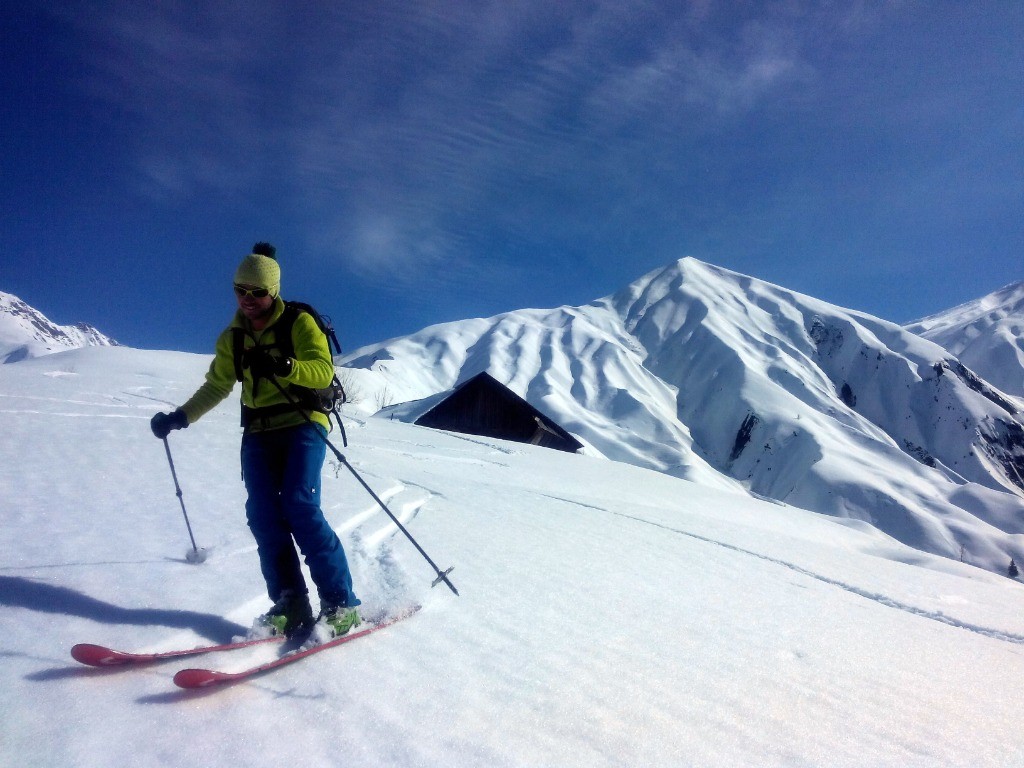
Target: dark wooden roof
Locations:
point(484, 406)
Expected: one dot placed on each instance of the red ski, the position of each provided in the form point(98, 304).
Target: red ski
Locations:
point(204, 678)
point(100, 656)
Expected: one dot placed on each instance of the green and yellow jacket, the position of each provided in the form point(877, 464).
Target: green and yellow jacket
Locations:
point(313, 368)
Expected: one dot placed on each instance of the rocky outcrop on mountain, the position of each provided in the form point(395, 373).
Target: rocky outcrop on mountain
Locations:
point(26, 332)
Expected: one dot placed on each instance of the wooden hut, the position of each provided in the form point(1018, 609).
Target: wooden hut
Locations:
point(484, 406)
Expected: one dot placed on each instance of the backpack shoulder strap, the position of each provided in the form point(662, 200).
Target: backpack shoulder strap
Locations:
point(237, 350)
point(283, 328)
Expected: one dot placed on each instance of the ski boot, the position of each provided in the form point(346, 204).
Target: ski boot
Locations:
point(334, 621)
point(340, 619)
point(290, 616)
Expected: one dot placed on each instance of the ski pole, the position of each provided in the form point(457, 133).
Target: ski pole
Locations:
point(196, 555)
point(442, 576)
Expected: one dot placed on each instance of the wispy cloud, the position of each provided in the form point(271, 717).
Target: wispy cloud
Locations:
point(180, 77)
point(500, 116)
point(434, 139)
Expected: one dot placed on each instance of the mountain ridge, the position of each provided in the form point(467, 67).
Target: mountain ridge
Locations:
point(25, 332)
point(721, 378)
point(986, 334)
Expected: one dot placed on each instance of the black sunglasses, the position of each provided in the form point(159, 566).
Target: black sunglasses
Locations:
point(256, 293)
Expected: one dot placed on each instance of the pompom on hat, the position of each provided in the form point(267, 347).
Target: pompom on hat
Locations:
point(260, 269)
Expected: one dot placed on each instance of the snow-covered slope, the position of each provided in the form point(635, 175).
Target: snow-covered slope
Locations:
point(713, 376)
point(25, 332)
point(987, 335)
point(609, 616)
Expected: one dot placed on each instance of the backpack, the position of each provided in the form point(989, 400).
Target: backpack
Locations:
point(327, 400)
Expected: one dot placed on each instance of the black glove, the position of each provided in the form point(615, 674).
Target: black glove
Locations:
point(264, 365)
point(163, 423)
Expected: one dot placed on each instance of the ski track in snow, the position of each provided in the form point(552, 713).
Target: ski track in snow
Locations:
point(367, 535)
point(149, 398)
point(102, 403)
point(371, 510)
point(431, 457)
point(476, 441)
point(876, 597)
point(69, 415)
point(406, 513)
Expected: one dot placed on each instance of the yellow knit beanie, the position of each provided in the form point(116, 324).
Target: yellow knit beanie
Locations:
point(260, 269)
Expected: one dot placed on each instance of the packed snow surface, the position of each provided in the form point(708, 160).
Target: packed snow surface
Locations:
point(609, 614)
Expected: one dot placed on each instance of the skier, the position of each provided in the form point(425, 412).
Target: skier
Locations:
point(282, 456)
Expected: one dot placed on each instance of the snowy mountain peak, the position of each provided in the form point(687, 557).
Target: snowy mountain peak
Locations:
point(986, 334)
point(1008, 300)
point(717, 377)
point(26, 332)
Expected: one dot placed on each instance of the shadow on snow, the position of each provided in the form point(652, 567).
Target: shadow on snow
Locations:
point(19, 592)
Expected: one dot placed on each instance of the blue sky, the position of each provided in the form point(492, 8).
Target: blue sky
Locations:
point(418, 162)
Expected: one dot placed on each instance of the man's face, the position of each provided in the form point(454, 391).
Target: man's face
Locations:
point(255, 302)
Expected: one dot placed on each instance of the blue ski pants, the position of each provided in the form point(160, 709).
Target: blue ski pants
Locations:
point(281, 469)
